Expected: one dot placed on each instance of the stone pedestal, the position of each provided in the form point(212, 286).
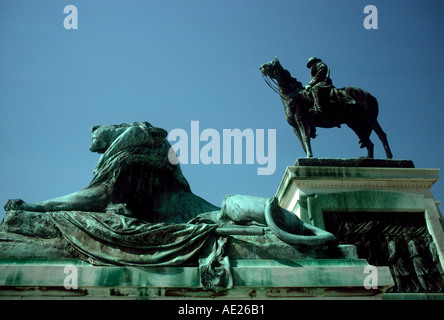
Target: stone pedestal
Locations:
point(262, 267)
point(271, 270)
point(373, 195)
point(329, 193)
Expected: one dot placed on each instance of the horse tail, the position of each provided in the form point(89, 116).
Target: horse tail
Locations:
point(370, 105)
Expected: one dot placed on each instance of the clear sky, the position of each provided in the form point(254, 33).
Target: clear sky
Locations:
point(174, 62)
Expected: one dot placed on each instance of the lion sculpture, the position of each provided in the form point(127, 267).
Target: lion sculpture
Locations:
point(134, 172)
point(139, 209)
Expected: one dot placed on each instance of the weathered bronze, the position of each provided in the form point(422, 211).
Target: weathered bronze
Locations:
point(400, 241)
point(350, 105)
point(133, 170)
point(139, 210)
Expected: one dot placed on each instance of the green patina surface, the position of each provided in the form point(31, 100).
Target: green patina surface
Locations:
point(258, 264)
point(246, 273)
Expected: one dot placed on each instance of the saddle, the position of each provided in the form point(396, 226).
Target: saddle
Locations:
point(328, 94)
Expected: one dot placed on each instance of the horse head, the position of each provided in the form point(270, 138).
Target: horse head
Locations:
point(271, 69)
point(286, 84)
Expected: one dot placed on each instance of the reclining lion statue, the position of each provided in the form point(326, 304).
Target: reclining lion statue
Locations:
point(139, 210)
point(134, 170)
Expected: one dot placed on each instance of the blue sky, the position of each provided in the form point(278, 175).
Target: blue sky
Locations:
point(173, 62)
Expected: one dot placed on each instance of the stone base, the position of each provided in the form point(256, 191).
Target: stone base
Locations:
point(354, 162)
point(260, 279)
point(262, 267)
point(368, 203)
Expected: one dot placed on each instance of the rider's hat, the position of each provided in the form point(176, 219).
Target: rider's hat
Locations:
point(312, 61)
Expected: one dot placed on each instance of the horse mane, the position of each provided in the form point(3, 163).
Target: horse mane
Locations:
point(288, 83)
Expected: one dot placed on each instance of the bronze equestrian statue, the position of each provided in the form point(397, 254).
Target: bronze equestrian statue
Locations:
point(325, 106)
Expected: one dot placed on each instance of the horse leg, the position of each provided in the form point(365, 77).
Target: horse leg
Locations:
point(370, 147)
point(363, 134)
point(298, 134)
point(368, 144)
point(305, 138)
point(308, 146)
point(382, 136)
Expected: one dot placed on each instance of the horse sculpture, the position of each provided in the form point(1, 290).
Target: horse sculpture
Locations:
point(360, 116)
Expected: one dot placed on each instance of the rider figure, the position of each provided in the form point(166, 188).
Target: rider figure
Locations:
point(320, 84)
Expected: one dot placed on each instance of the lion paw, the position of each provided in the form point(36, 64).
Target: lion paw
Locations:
point(14, 204)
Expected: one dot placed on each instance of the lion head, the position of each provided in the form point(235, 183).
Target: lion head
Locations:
point(123, 145)
point(103, 136)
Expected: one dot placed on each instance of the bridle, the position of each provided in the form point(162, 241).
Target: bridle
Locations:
point(268, 80)
point(272, 83)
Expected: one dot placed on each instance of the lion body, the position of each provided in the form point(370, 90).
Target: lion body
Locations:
point(134, 170)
